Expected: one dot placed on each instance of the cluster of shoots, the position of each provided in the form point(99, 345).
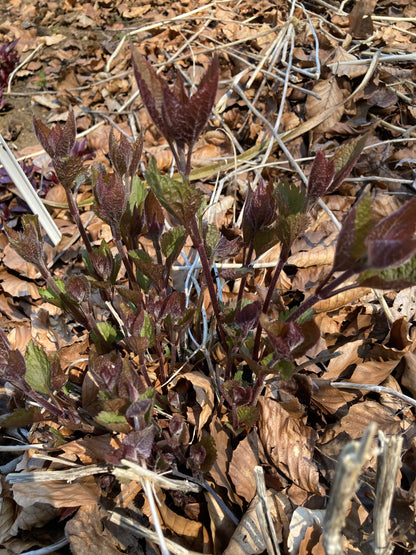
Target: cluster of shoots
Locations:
point(138, 319)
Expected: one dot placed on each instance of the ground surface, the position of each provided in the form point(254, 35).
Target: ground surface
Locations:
point(357, 60)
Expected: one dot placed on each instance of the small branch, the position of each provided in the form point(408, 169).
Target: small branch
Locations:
point(388, 464)
point(352, 458)
point(264, 514)
point(375, 389)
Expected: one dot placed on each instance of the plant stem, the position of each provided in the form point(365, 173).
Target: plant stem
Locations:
point(323, 293)
point(284, 254)
point(199, 245)
point(74, 210)
point(244, 278)
point(125, 258)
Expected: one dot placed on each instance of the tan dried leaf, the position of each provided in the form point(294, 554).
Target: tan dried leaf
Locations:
point(219, 470)
point(303, 519)
point(340, 58)
point(221, 525)
point(241, 471)
point(248, 538)
point(289, 444)
point(342, 299)
point(58, 494)
point(88, 535)
point(204, 397)
point(331, 98)
point(320, 255)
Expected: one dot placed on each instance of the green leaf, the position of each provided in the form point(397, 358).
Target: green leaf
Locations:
point(112, 421)
point(181, 200)
point(21, 417)
point(285, 369)
point(364, 223)
point(147, 266)
point(248, 416)
point(109, 333)
point(38, 370)
point(171, 244)
point(148, 330)
point(290, 198)
point(138, 193)
point(212, 237)
point(289, 228)
point(399, 277)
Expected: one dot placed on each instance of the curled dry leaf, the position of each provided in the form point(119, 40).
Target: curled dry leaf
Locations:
point(245, 458)
point(88, 534)
point(248, 538)
point(342, 299)
point(289, 443)
point(340, 58)
point(331, 97)
point(58, 494)
point(302, 521)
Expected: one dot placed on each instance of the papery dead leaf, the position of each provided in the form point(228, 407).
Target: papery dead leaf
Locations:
point(204, 397)
point(342, 299)
point(33, 516)
point(248, 537)
point(331, 96)
point(340, 66)
point(58, 494)
point(191, 533)
point(221, 525)
point(302, 520)
point(245, 459)
point(219, 470)
point(88, 534)
point(289, 443)
point(318, 256)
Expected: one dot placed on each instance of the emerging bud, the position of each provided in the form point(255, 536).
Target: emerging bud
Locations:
point(58, 141)
point(78, 288)
point(28, 243)
point(110, 197)
point(180, 118)
point(155, 219)
point(259, 211)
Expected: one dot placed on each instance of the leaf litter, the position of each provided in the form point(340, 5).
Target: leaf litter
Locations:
point(346, 75)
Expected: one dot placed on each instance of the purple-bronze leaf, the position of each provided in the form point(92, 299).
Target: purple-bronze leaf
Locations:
point(351, 247)
point(259, 211)
point(178, 119)
point(27, 243)
point(120, 153)
point(151, 86)
point(138, 445)
point(58, 141)
point(111, 197)
point(320, 178)
point(202, 101)
point(391, 241)
point(345, 159)
point(154, 217)
point(68, 169)
point(78, 288)
point(248, 317)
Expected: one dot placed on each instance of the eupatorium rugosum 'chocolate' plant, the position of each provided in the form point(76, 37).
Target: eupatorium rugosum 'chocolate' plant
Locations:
point(143, 330)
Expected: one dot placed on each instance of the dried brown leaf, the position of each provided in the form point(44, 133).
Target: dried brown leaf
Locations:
point(58, 494)
point(88, 534)
point(289, 443)
point(331, 98)
point(342, 299)
point(241, 471)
